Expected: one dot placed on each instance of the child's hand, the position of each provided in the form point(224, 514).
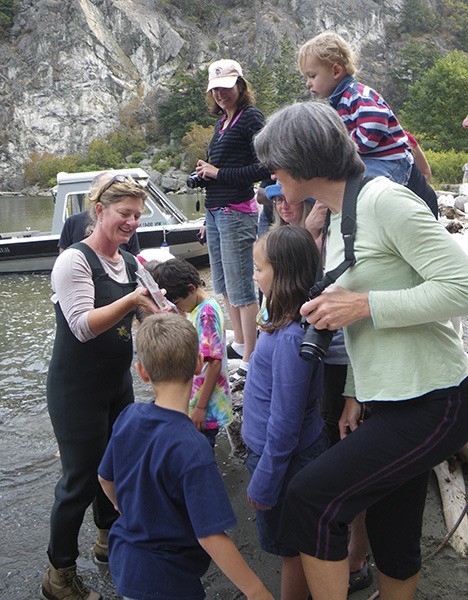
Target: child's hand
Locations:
point(199, 418)
point(256, 505)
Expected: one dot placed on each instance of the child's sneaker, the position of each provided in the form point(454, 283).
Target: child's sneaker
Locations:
point(231, 353)
point(360, 580)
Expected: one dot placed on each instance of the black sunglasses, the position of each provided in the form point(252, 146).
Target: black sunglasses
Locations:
point(115, 179)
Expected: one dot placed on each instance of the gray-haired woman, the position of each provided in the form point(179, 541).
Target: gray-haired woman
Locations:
point(408, 364)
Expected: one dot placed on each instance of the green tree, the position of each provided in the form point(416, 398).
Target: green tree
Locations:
point(186, 105)
point(280, 83)
point(455, 17)
point(289, 82)
point(417, 17)
point(413, 59)
point(7, 9)
point(263, 82)
point(437, 104)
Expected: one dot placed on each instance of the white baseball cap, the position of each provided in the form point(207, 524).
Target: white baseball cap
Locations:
point(223, 73)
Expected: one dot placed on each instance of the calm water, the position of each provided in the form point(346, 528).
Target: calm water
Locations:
point(20, 212)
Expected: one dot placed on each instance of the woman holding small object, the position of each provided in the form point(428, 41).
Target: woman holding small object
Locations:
point(89, 381)
point(231, 209)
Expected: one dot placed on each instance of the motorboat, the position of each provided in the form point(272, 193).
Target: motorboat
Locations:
point(162, 225)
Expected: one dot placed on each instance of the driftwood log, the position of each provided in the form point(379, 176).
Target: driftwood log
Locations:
point(463, 453)
point(452, 491)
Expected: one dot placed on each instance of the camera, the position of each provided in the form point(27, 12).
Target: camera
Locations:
point(194, 181)
point(315, 342)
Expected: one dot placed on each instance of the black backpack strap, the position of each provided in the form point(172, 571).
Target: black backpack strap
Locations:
point(354, 185)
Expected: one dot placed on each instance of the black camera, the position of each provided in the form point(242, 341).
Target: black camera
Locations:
point(194, 181)
point(315, 342)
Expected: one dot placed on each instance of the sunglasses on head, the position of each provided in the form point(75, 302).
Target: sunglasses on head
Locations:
point(114, 179)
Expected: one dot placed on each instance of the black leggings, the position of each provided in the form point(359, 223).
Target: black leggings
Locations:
point(383, 467)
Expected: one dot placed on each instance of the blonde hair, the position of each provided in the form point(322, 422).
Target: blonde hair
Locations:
point(114, 193)
point(279, 221)
point(329, 48)
point(167, 347)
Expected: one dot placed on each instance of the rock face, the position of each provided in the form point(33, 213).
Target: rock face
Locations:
point(69, 65)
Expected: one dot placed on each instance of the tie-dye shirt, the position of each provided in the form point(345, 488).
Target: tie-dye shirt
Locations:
point(208, 320)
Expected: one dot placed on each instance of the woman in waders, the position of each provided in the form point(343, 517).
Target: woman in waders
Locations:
point(89, 380)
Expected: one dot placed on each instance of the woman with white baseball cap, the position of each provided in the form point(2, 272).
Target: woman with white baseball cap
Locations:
point(228, 174)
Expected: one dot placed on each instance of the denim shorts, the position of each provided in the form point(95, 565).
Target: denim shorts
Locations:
point(398, 171)
point(268, 520)
point(231, 235)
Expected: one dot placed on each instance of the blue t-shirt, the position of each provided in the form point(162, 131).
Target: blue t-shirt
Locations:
point(169, 493)
point(280, 412)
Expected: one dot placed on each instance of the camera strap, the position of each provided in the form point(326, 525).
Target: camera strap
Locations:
point(353, 186)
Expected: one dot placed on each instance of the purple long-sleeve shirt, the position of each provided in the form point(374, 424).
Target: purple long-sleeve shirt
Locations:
point(281, 416)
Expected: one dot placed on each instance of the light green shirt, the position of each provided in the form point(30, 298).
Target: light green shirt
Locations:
point(417, 278)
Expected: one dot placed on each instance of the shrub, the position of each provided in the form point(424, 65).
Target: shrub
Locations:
point(103, 154)
point(167, 157)
point(42, 168)
point(160, 165)
point(446, 167)
point(137, 157)
point(127, 140)
point(196, 142)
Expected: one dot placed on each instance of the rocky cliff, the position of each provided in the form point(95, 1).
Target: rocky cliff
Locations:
point(69, 65)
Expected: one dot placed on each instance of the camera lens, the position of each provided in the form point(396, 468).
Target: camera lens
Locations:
point(192, 182)
point(315, 343)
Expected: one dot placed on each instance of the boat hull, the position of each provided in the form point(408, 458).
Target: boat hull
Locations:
point(38, 253)
point(161, 224)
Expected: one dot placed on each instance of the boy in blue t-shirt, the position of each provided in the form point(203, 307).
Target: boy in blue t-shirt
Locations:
point(160, 474)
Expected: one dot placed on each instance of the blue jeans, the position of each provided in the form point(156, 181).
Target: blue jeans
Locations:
point(398, 171)
point(268, 520)
point(230, 235)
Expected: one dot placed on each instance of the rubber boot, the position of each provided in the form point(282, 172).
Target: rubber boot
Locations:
point(65, 584)
point(101, 556)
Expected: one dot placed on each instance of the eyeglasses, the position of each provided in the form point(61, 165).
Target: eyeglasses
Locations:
point(278, 199)
point(115, 179)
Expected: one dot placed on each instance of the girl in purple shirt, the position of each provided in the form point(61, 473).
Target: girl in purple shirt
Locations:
point(282, 427)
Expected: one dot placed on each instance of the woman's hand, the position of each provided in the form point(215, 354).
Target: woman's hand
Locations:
point(336, 308)
point(142, 298)
point(351, 417)
point(257, 506)
point(206, 171)
point(201, 236)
